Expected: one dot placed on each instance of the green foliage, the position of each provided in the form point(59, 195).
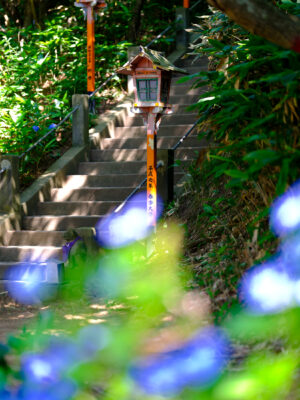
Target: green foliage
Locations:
point(41, 69)
point(253, 95)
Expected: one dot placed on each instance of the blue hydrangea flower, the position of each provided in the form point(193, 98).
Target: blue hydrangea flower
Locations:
point(285, 212)
point(28, 282)
point(267, 288)
point(128, 225)
point(198, 363)
point(52, 126)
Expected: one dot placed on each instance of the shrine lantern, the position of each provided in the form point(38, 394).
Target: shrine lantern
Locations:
point(152, 74)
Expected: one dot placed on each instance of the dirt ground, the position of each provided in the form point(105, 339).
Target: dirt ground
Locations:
point(14, 316)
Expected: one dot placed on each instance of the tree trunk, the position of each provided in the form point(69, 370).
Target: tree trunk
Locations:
point(262, 18)
point(134, 27)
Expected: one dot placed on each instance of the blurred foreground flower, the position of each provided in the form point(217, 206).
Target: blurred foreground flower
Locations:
point(267, 288)
point(198, 363)
point(36, 128)
point(128, 225)
point(285, 212)
point(32, 282)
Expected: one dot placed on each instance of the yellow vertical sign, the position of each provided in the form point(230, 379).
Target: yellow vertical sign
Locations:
point(151, 170)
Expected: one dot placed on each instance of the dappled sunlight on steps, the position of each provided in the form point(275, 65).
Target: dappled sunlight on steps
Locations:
point(98, 186)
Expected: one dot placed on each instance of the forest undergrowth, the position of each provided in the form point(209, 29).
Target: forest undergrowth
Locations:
point(251, 112)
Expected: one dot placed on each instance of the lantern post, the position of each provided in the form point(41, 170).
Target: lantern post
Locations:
point(88, 7)
point(152, 74)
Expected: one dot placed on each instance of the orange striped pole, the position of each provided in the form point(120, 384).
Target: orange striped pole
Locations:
point(90, 49)
point(186, 3)
point(151, 170)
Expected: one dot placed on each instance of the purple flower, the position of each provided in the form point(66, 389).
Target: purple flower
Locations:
point(52, 126)
point(36, 128)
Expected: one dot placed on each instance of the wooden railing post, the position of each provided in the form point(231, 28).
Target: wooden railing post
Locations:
point(9, 183)
point(80, 124)
point(165, 174)
point(183, 22)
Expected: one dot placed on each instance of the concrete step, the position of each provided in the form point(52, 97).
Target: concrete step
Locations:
point(141, 131)
point(182, 109)
point(7, 267)
point(184, 98)
point(140, 143)
point(34, 238)
point(59, 223)
point(111, 167)
point(30, 253)
point(181, 153)
point(91, 194)
point(98, 168)
point(193, 69)
point(78, 181)
point(172, 119)
point(191, 61)
point(80, 208)
point(186, 89)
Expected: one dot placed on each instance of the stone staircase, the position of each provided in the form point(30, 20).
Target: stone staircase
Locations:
point(101, 184)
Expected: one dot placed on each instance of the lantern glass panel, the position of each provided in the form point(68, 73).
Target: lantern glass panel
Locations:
point(147, 89)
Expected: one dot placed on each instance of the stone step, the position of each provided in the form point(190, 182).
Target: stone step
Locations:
point(59, 223)
point(172, 119)
point(111, 167)
point(184, 98)
point(127, 180)
point(34, 238)
point(191, 61)
point(91, 194)
point(80, 208)
point(99, 168)
point(193, 69)
point(183, 109)
point(7, 267)
point(182, 153)
point(141, 131)
point(186, 88)
point(140, 143)
point(30, 253)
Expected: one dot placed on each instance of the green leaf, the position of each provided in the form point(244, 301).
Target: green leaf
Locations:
point(236, 173)
point(283, 177)
point(264, 156)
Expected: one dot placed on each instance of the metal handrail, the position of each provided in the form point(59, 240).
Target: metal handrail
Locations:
point(195, 5)
point(119, 208)
point(186, 135)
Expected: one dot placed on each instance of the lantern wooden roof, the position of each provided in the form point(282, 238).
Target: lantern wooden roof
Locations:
point(157, 59)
